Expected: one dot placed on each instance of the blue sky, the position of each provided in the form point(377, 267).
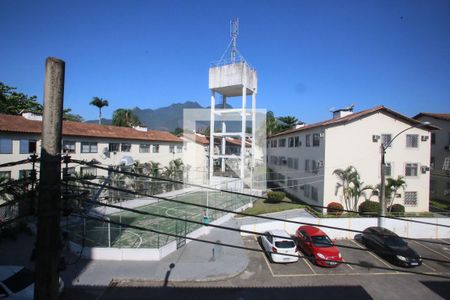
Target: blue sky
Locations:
point(310, 55)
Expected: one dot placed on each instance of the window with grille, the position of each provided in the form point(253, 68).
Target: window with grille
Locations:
point(411, 170)
point(5, 174)
point(172, 149)
point(144, 148)
point(412, 140)
point(297, 141)
point(89, 147)
point(125, 147)
point(446, 165)
point(411, 198)
point(155, 149)
point(307, 165)
point(316, 140)
point(386, 139)
point(388, 169)
point(282, 142)
point(114, 147)
point(179, 149)
point(308, 140)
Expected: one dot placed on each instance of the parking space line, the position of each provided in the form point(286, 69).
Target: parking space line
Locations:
point(432, 250)
point(307, 263)
point(379, 259)
point(265, 259)
point(348, 274)
point(432, 269)
point(351, 268)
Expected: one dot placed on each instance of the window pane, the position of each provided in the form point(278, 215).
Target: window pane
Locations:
point(386, 139)
point(410, 198)
point(144, 148)
point(412, 140)
point(23, 147)
point(316, 140)
point(125, 147)
point(5, 146)
point(114, 147)
point(308, 140)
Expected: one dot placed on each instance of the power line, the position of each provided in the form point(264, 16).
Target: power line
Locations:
point(242, 194)
point(226, 227)
point(253, 249)
point(239, 213)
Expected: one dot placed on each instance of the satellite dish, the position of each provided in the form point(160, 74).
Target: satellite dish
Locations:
point(126, 160)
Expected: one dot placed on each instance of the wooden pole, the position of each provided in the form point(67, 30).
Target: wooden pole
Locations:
point(48, 245)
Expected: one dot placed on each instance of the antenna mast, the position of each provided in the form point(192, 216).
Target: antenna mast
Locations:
point(234, 32)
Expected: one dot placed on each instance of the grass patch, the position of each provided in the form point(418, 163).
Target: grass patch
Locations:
point(444, 205)
point(262, 206)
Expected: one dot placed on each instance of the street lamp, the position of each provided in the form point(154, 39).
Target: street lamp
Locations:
point(383, 148)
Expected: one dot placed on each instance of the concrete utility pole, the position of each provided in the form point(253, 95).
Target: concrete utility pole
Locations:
point(49, 206)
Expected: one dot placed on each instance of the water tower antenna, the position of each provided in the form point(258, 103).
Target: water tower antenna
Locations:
point(234, 32)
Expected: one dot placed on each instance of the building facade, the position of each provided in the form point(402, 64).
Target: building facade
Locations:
point(20, 136)
point(303, 159)
point(440, 154)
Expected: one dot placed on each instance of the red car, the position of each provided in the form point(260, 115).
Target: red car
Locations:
point(315, 244)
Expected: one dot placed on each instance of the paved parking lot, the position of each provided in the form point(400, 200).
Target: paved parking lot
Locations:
point(358, 260)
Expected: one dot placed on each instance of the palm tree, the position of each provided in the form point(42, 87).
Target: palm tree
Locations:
point(271, 124)
point(125, 118)
point(357, 188)
point(345, 178)
point(392, 186)
point(99, 102)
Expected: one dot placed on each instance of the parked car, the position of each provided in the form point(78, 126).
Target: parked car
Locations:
point(17, 282)
point(390, 246)
point(315, 244)
point(277, 243)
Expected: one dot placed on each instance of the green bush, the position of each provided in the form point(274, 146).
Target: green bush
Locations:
point(369, 208)
point(275, 197)
point(334, 208)
point(397, 209)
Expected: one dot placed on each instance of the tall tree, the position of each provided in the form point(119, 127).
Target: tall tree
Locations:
point(100, 103)
point(125, 118)
point(15, 103)
point(345, 179)
point(271, 123)
point(287, 122)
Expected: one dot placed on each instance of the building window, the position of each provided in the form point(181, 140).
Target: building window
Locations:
point(295, 184)
point(5, 174)
point(291, 142)
point(5, 146)
point(282, 143)
point(89, 147)
point(88, 172)
point(144, 148)
point(273, 143)
point(307, 190)
point(68, 146)
point(275, 160)
point(27, 146)
point(24, 174)
point(125, 147)
point(290, 162)
point(411, 170)
point(179, 149)
point(114, 147)
point(296, 163)
point(316, 140)
point(412, 140)
point(446, 165)
point(155, 148)
point(388, 169)
point(314, 193)
point(307, 165)
point(411, 198)
point(386, 140)
point(315, 166)
point(308, 140)
point(171, 149)
point(433, 138)
point(282, 160)
point(297, 141)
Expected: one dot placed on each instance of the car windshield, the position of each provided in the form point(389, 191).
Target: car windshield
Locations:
point(285, 244)
point(19, 280)
point(394, 242)
point(322, 241)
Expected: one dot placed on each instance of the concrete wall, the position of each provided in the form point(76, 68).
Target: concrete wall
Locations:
point(238, 74)
point(402, 228)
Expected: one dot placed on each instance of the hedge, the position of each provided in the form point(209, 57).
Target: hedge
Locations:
point(369, 208)
point(276, 197)
point(334, 208)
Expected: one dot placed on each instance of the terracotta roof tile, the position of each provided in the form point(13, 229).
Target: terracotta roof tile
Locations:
point(354, 117)
point(10, 123)
point(445, 117)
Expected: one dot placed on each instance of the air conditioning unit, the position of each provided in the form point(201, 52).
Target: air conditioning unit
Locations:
point(320, 164)
point(375, 138)
point(425, 169)
point(322, 134)
point(424, 138)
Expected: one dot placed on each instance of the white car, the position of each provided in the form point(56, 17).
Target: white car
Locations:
point(17, 282)
point(278, 242)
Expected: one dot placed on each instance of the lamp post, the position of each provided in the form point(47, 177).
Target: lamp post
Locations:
point(382, 197)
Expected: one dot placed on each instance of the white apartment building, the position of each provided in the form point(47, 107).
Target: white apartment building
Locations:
point(440, 154)
point(20, 136)
point(303, 159)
